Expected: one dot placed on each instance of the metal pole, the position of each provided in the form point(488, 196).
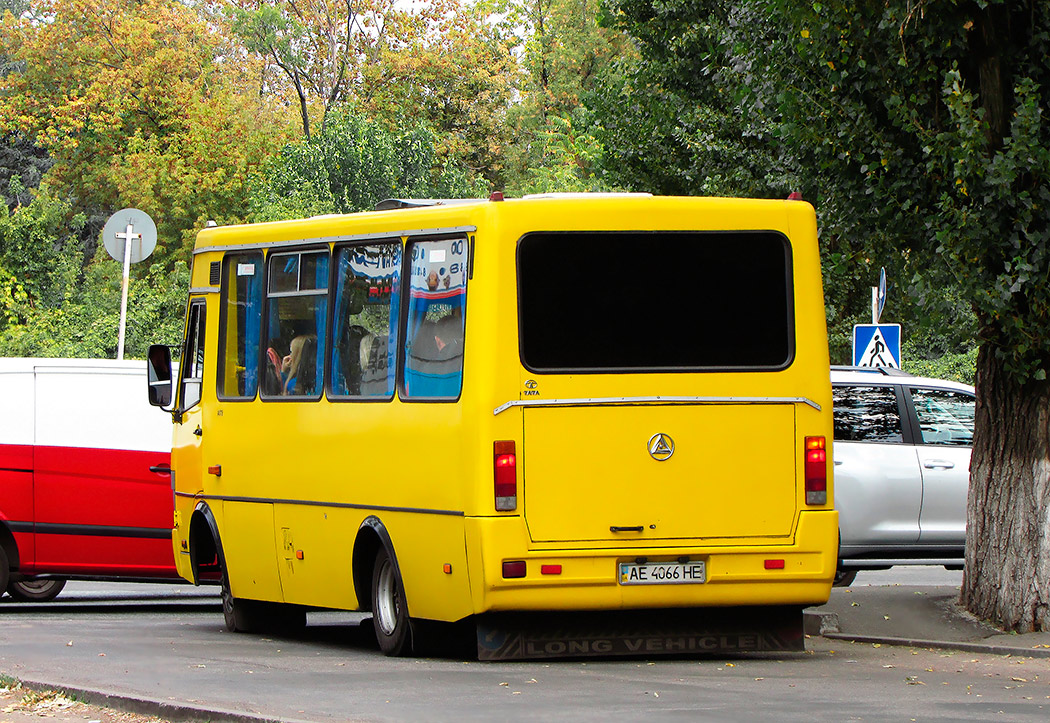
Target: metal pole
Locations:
point(124, 291)
point(874, 305)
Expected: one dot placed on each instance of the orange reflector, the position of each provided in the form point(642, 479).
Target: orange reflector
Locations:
point(447, 568)
point(215, 469)
point(513, 568)
point(774, 564)
point(298, 554)
point(550, 569)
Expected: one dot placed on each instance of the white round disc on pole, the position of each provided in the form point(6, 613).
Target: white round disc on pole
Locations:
point(130, 225)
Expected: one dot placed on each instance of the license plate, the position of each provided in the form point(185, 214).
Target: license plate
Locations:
point(663, 573)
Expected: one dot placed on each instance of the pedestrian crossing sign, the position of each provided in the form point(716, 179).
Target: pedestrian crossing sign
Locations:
point(877, 345)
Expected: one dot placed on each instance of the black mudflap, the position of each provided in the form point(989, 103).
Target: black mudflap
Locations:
point(640, 633)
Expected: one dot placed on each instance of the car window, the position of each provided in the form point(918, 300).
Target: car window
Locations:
point(944, 417)
point(866, 414)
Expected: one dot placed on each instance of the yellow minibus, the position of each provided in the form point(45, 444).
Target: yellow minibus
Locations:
point(505, 413)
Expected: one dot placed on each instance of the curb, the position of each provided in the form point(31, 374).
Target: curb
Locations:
point(986, 648)
point(170, 710)
point(827, 625)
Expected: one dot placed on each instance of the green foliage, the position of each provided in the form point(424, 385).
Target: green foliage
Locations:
point(87, 322)
point(567, 162)
point(352, 164)
point(35, 241)
point(960, 367)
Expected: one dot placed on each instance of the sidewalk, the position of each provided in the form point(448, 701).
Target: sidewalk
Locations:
point(920, 616)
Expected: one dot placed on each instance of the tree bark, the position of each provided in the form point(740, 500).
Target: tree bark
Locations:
point(1007, 577)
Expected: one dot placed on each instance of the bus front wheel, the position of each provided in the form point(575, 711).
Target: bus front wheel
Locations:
point(389, 610)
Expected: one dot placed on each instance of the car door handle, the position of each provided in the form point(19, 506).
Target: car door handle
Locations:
point(938, 464)
point(837, 463)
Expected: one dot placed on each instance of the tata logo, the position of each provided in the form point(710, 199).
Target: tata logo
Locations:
point(530, 388)
point(661, 447)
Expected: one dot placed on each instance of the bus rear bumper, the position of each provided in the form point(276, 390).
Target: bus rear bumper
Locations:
point(798, 572)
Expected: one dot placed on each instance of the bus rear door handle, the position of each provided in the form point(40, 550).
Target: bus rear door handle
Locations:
point(638, 528)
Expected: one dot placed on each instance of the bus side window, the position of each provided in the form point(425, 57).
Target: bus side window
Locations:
point(240, 323)
point(193, 358)
point(434, 339)
point(296, 316)
point(368, 286)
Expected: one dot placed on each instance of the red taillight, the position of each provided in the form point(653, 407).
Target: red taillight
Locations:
point(513, 568)
point(816, 471)
point(505, 473)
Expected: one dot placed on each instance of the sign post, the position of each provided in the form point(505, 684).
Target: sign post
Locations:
point(129, 236)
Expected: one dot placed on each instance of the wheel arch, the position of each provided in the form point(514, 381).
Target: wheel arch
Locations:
point(204, 541)
point(371, 536)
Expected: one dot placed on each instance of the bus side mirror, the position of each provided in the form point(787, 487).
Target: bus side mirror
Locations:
point(158, 367)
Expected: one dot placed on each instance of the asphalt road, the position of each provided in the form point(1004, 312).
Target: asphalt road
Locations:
point(167, 643)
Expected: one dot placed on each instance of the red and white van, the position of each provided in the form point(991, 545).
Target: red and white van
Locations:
point(85, 489)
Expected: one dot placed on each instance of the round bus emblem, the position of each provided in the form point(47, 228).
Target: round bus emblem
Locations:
point(661, 447)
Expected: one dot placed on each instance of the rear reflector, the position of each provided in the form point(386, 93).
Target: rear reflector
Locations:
point(774, 564)
point(550, 569)
point(816, 471)
point(505, 474)
point(513, 568)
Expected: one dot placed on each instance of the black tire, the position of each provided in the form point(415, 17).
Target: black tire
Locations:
point(844, 578)
point(389, 609)
point(42, 589)
point(253, 616)
point(5, 569)
point(238, 615)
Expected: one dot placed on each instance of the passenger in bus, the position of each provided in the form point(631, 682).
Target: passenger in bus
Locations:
point(298, 367)
point(357, 358)
point(273, 379)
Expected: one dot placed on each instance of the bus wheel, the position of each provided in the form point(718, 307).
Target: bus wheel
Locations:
point(41, 590)
point(844, 578)
point(238, 614)
point(389, 610)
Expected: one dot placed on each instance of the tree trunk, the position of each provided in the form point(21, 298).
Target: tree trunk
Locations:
point(1007, 578)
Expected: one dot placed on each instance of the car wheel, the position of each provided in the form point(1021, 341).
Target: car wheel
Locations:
point(40, 590)
point(389, 610)
point(844, 578)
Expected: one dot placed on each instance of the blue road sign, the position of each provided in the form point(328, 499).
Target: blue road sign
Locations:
point(877, 345)
point(882, 295)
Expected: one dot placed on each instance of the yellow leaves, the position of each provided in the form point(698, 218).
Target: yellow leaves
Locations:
point(804, 33)
point(831, 65)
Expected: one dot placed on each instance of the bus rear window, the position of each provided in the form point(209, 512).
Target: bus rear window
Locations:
point(655, 301)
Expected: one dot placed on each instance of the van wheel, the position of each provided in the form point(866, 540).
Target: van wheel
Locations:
point(41, 590)
point(389, 610)
point(844, 578)
point(5, 569)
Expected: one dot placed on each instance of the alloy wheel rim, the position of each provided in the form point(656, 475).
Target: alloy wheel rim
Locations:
point(386, 599)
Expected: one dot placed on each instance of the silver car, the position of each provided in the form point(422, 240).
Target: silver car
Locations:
point(902, 460)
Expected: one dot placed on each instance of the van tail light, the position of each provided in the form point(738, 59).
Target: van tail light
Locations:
point(816, 471)
point(505, 474)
